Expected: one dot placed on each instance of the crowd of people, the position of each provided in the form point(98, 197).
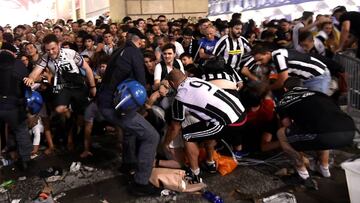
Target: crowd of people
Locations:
point(260, 88)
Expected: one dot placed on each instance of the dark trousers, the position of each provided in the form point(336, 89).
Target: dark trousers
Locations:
point(16, 120)
point(136, 130)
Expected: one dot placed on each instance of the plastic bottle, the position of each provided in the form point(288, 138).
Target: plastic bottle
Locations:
point(7, 184)
point(212, 197)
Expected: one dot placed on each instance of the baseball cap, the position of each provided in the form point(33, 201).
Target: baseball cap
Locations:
point(137, 32)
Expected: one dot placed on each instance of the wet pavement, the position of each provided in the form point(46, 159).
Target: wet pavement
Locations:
point(99, 180)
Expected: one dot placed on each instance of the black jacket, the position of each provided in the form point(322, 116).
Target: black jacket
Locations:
point(11, 80)
point(125, 63)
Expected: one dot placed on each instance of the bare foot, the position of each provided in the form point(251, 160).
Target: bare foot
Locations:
point(49, 150)
point(35, 149)
point(85, 154)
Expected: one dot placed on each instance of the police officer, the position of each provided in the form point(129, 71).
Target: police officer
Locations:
point(12, 108)
point(128, 63)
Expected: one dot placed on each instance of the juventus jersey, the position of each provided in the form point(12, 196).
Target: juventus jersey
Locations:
point(206, 102)
point(68, 60)
point(298, 64)
point(234, 51)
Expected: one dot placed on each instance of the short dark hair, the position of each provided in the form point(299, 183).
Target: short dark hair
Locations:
point(50, 38)
point(188, 32)
point(305, 36)
point(138, 21)
point(283, 20)
point(107, 32)
point(150, 54)
point(262, 48)
point(58, 27)
point(234, 23)
point(306, 15)
point(8, 37)
point(185, 54)
point(235, 16)
point(29, 43)
point(253, 93)
point(292, 82)
point(125, 19)
point(203, 20)
point(88, 36)
point(339, 9)
point(161, 16)
point(169, 46)
point(21, 27)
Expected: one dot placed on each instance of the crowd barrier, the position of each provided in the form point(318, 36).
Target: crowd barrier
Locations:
point(352, 68)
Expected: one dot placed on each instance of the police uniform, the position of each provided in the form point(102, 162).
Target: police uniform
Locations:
point(12, 103)
point(128, 63)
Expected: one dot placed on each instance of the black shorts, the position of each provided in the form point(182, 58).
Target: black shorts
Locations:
point(200, 131)
point(77, 97)
point(304, 140)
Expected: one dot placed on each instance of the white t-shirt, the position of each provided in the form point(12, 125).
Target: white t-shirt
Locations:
point(158, 70)
point(179, 49)
point(295, 36)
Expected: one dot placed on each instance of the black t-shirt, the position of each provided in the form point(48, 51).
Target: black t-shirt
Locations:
point(314, 112)
point(282, 35)
point(192, 48)
point(354, 18)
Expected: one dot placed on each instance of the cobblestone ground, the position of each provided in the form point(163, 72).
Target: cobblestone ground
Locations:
point(104, 183)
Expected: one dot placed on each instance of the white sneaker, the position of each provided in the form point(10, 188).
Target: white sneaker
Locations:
point(324, 171)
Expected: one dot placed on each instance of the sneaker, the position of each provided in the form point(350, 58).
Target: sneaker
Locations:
point(210, 167)
point(325, 172)
point(191, 178)
point(143, 190)
point(240, 154)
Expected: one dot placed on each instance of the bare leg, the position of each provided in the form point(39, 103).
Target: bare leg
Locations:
point(267, 144)
point(87, 140)
point(65, 112)
point(296, 156)
point(192, 153)
point(35, 149)
point(324, 157)
point(210, 148)
point(48, 135)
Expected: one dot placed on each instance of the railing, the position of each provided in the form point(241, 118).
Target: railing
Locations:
point(352, 68)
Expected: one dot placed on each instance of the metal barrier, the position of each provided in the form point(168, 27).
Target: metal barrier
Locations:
point(352, 68)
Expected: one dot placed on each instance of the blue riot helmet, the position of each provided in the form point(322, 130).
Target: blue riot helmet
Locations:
point(129, 94)
point(34, 101)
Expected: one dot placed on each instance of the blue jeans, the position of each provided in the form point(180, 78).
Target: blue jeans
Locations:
point(319, 83)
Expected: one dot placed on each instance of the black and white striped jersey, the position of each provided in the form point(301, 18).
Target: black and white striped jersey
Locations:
point(298, 64)
point(218, 76)
point(251, 64)
point(68, 60)
point(207, 103)
point(234, 51)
